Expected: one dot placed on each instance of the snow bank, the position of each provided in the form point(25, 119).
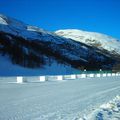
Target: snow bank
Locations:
point(107, 111)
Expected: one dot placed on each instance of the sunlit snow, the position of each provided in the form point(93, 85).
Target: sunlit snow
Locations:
point(63, 100)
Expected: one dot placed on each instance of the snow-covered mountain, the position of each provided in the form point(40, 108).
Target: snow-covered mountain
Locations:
point(33, 48)
point(98, 40)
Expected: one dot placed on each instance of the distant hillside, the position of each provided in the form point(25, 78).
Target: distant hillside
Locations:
point(32, 48)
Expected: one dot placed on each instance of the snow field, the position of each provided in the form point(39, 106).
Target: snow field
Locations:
point(68, 100)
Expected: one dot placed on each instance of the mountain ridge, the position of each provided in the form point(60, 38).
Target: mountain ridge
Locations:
point(99, 40)
point(31, 47)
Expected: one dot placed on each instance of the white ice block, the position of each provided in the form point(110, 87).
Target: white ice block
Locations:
point(91, 75)
point(42, 78)
point(73, 76)
point(83, 75)
point(60, 77)
point(19, 79)
point(109, 74)
point(98, 75)
point(104, 74)
point(113, 74)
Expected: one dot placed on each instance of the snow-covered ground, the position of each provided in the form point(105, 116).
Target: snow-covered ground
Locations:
point(107, 111)
point(15, 70)
point(63, 100)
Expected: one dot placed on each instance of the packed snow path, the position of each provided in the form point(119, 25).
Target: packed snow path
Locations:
point(64, 100)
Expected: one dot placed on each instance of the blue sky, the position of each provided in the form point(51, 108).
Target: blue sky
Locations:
point(92, 15)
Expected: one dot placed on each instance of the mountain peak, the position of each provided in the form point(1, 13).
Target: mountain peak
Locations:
point(99, 40)
point(18, 28)
point(10, 21)
point(3, 20)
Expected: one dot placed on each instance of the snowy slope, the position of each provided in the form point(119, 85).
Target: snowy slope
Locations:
point(65, 100)
point(101, 41)
point(31, 47)
point(9, 69)
point(18, 28)
point(19, 40)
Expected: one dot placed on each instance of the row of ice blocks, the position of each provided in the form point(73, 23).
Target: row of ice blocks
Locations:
point(21, 79)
